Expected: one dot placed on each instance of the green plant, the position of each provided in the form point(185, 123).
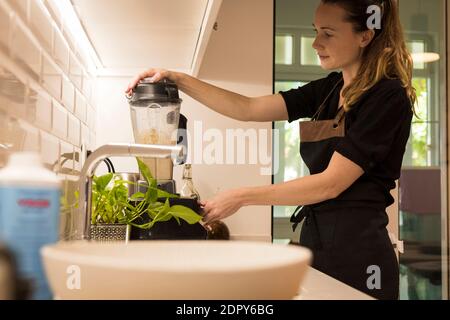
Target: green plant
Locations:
point(111, 204)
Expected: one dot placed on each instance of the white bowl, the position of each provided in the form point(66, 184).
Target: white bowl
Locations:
point(175, 270)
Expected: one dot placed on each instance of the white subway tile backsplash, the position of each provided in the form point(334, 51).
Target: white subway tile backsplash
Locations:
point(14, 109)
point(4, 29)
point(46, 93)
point(4, 119)
point(30, 140)
point(77, 163)
point(76, 72)
point(87, 86)
point(83, 59)
point(73, 130)
point(5, 141)
point(85, 137)
point(3, 157)
point(21, 7)
point(53, 13)
point(68, 94)
point(43, 112)
point(51, 78)
point(4, 104)
point(66, 158)
point(59, 120)
point(13, 94)
point(41, 24)
point(25, 51)
point(13, 135)
point(69, 38)
point(60, 51)
point(80, 106)
point(31, 101)
point(50, 150)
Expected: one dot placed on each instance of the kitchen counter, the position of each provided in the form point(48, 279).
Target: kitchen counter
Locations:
point(319, 286)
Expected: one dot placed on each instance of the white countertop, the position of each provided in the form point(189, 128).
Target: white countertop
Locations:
point(319, 286)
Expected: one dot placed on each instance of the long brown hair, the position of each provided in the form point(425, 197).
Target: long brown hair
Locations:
point(385, 57)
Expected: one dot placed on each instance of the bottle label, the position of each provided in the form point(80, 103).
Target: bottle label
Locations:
point(29, 219)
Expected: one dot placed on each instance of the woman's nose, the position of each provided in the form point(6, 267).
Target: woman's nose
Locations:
point(316, 44)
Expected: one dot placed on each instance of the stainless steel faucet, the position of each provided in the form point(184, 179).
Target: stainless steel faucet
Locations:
point(94, 159)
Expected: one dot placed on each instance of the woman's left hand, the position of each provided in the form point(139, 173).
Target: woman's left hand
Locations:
point(222, 205)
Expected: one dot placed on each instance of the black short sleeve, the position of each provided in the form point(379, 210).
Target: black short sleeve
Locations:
point(381, 124)
point(304, 101)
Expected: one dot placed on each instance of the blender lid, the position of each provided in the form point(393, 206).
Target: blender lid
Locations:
point(162, 91)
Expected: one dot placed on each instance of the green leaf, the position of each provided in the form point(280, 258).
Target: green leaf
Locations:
point(152, 213)
point(102, 182)
point(137, 195)
point(185, 213)
point(160, 218)
point(145, 171)
point(124, 182)
point(163, 214)
point(155, 205)
point(152, 192)
point(164, 217)
point(142, 226)
point(166, 206)
point(94, 218)
point(164, 194)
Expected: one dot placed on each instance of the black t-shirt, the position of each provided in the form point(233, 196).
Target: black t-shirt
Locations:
point(377, 129)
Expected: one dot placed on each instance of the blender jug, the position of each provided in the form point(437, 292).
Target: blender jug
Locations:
point(155, 113)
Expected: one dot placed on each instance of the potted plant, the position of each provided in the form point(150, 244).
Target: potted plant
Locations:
point(109, 199)
point(114, 212)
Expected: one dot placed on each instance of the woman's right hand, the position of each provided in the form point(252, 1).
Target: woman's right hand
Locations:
point(155, 74)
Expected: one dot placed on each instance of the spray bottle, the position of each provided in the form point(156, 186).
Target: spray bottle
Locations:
point(29, 215)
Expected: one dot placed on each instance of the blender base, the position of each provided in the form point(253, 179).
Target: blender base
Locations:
point(171, 230)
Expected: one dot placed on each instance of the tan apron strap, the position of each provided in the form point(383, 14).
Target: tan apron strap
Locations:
point(340, 114)
point(322, 106)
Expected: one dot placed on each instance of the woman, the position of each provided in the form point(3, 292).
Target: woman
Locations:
point(353, 145)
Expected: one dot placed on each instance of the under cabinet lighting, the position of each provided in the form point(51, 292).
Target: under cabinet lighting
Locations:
point(73, 24)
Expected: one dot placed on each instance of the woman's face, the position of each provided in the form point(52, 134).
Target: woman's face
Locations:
point(337, 44)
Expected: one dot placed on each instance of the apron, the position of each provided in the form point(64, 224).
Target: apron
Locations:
point(348, 239)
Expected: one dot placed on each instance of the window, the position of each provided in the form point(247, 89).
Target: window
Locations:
point(308, 56)
point(417, 47)
point(291, 164)
point(292, 70)
point(284, 49)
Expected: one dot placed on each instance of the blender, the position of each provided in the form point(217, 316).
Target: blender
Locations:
point(156, 120)
point(155, 114)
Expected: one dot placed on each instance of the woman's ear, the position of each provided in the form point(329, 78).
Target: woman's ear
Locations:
point(367, 37)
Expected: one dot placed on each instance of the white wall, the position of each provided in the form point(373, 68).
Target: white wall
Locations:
point(238, 58)
point(46, 101)
point(113, 119)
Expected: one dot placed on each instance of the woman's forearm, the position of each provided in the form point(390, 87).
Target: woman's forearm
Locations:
point(225, 102)
point(303, 191)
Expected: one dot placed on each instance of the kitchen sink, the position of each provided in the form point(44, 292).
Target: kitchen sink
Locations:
point(174, 270)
